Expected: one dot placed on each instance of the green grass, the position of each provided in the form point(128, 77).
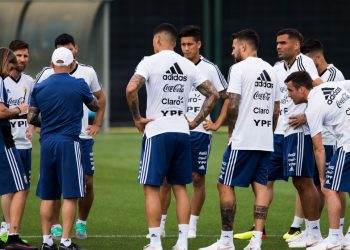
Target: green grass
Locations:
point(117, 219)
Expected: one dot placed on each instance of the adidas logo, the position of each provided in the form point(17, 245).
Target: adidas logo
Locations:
point(315, 227)
point(264, 80)
point(175, 74)
point(153, 236)
point(202, 167)
point(330, 94)
point(8, 91)
point(291, 169)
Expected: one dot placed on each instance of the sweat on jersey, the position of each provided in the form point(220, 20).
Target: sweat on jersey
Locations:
point(90, 77)
point(256, 82)
point(329, 105)
point(195, 101)
point(60, 100)
point(288, 108)
point(19, 92)
point(169, 79)
point(331, 74)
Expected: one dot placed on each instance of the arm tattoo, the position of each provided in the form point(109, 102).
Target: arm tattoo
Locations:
point(227, 217)
point(276, 114)
point(93, 105)
point(232, 111)
point(223, 95)
point(135, 83)
point(260, 212)
point(33, 117)
point(208, 90)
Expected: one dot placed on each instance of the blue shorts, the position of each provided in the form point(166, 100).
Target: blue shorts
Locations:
point(165, 155)
point(298, 158)
point(87, 156)
point(330, 151)
point(275, 165)
point(338, 172)
point(61, 171)
point(26, 158)
point(242, 167)
point(200, 150)
point(12, 176)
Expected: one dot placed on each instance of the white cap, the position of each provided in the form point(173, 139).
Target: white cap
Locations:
point(62, 57)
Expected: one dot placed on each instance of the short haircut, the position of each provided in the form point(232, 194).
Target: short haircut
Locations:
point(300, 79)
point(292, 33)
point(311, 45)
point(248, 35)
point(18, 44)
point(191, 31)
point(168, 28)
point(64, 39)
point(6, 57)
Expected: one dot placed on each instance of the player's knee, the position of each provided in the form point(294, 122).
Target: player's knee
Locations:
point(89, 181)
point(198, 180)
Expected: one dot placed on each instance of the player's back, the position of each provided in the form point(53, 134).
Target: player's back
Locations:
point(169, 79)
point(60, 101)
point(255, 80)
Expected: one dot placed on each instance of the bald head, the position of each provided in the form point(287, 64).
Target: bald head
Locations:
point(164, 37)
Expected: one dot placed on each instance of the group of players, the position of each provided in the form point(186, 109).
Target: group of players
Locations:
point(273, 134)
point(16, 134)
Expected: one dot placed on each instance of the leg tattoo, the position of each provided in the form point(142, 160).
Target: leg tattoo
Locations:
point(227, 217)
point(260, 212)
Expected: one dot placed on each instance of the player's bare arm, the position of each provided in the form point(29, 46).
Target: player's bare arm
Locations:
point(135, 83)
point(320, 156)
point(317, 82)
point(93, 105)
point(213, 126)
point(208, 90)
point(276, 114)
point(12, 112)
point(297, 120)
point(33, 117)
point(93, 129)
point(232, 111)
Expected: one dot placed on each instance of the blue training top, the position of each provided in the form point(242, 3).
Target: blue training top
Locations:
point(60, 100)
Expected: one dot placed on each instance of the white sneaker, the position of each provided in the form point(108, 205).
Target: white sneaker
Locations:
point(192, 233)
point(218, 246)
point(326, 245)
point(253, 245)
point(297, 237)
point(346, 243)
point(149, 247)
point(309, 241)
point(162, 234)
point(178, 247)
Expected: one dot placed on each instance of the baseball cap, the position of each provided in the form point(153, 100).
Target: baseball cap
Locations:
point(62, 57)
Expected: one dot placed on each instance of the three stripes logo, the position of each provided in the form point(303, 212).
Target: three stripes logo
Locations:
point(175, 74)
point(330, 94)
point(264, 80)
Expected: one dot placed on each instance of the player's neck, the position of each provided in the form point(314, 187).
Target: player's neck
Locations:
point(196, 59)
point(15, 74)
point(322, 66)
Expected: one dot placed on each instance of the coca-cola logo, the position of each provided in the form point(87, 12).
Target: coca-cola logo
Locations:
point(178, 88)
point(16, 102)
point(265, 96)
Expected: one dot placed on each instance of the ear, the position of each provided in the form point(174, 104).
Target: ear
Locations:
point(76, 48)
point(199, 44)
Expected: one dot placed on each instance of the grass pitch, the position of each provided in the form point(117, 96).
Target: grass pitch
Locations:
point(117, 219)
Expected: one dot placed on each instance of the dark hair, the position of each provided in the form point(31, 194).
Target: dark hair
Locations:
point(292, 33)
point(6, 57)
point(18, 44)
point(64, 39)
point(191, 30)
point(168, 28)
point(248, 35)
point(300, 79)
point(311, 45)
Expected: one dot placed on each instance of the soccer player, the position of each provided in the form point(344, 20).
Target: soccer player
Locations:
point(59, 100)
point(200, 137)
point(328, 105)
point(87, 133)
point(19, 86)
point(252, 115)
point(166, 151)
point(12, 176)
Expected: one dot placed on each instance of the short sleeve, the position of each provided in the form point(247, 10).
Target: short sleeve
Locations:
point(199, 78)
point(314, 115)
point(87, 95)
point(217, 79)
point(43, 74)
point(95, 85)
point(235, 80)
point(310, 68)
point(143, 68)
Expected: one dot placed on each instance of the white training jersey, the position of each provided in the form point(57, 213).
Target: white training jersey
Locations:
point(256, 82)
point(331, 74)
point(89, 75)
point(281, 76)
point(301, 63)
point(195, 101)
point(169, 79)
point(18, 93)
point(329, 105)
